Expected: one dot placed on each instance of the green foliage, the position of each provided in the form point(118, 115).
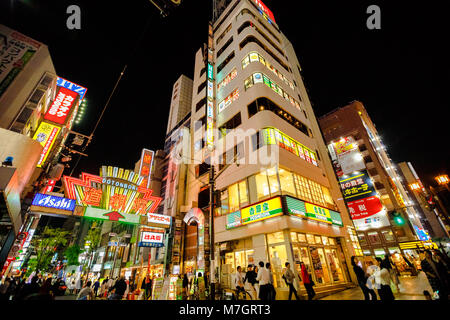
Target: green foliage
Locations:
point(46, 244)
point(31, 265)
point(93, 238)
point(72, 253)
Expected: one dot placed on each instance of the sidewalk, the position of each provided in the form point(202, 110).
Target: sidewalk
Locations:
point(412, 289)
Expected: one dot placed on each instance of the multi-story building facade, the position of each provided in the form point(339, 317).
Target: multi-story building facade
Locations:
point(436, 223)
point(382, 211)
point(248, 100)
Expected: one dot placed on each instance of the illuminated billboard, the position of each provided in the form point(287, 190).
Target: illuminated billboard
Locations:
point(145, 168)
point(116, 189)
point(357, 186)
point(71, 86)
point(54, 202)
point(307, 210)
point(62, 105)
point(151, 239)
point(267, 14)
point(46, 135)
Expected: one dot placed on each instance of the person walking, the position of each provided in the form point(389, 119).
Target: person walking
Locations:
point(392, 271)
point(238, 282)
point(272, 292)
point(383, 281)
point(369, 294)
point(289, 277)
point(250, 281)
point(185, 286)
point(147, 287)
point(263, 278)
point(307, 281)
point(435, 275)
point(96, 286)
point(86, 293)
point(118, 289)
point(103, 287)
point(255, 270)
point(78, 285)
point(29, 288)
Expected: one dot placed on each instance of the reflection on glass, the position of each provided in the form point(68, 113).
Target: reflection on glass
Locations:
point(278, 257)
point(273, 181)
point(294, 237)
point(320, 265)
point(233, 197)
point(276, 237)
point(301, 237)
point(310, 238)
point(262, 186)
point(335, 268)
point(287, 182)
point(243, 196)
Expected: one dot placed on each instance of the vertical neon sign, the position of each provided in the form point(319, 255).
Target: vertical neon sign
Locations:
point(210, 93)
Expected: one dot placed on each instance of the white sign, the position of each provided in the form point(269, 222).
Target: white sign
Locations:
point(156, 237)
point(97, 267)
point(159, 219)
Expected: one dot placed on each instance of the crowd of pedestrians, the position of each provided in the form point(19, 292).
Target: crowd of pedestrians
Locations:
point(382, 277)
point(35, 288)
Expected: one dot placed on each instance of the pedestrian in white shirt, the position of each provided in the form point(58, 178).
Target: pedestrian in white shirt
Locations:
point(383, 281)
point(239, 280)
point(264, 282)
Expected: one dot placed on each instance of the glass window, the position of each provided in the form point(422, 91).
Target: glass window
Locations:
point(335, 266)
point(310, 238)
point(318, 239)
point(320, 265)
point(325, 240)
point(331, 241)
point(327, 195)
point(278, 257)
point(233, 197)
point(388, 235)
point(243, 195)
point(301, 237)
point(257, 77)
point(248, 82)
point(367, 252)
point(276, 237)
point(294, 237)
point(229, 259)
point(245, 62)
point(362, 239)
point(379, 252)
point(373, 237)
point(240, 259)
point(273, 181)
point(287, 182)
point(250, 257)
point(393, 250)
point(224, 202)
point(262, 185)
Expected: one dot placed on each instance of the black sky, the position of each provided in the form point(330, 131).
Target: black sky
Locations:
point(399, 72)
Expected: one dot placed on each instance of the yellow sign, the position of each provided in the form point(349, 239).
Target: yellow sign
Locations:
point(46, 135)
point(263, 210)
point(318, 213)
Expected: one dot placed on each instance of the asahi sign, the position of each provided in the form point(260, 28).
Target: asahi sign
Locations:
point(54, 202)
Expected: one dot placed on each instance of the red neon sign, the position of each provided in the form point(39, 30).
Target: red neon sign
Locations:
point(61, 106)
point(264, 9)
point(364, 208)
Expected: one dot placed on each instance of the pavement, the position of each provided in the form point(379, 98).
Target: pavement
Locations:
point(411, 288)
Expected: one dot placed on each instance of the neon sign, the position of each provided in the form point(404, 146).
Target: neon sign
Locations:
point(210, 95)
point(61, 106)
point(145, 168)
point(71, 86)
point(264, 10)
point(125, 195)
point(49, 201)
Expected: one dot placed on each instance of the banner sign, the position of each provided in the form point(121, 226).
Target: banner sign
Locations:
point(261, 211)
point(102, 214)
point(46, 135)
point(310, 211)
point(145, 168)
point(365, 207)
point(357, 186)
point(234, 220)
point(71, 86)
point(49, 201)
point(61, 106)
point(159, 220)
point(151, 239)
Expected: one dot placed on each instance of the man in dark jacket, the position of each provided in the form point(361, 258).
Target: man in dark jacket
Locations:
point(435, 272)
point(362, 280)
point(119, 289)
point(147, 287)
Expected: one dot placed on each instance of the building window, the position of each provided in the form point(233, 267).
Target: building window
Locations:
point(388, 235)
point(234, 197)
point(256, 57)
point(264, 26)
point(247, 24)
point(275, 237)
point(273, 181)
point(252, 39)
point(262, 185)
point(362, 239)
point(223, 34)
point(287, 182)
point(225, 62)
point(233, 96)
point(262, 104)
point(230, 125)
point(373, 237)
point(199, 123)
point(201, 86)
point(230, 76)
point(224, 47)
point(202, 72)
point(202, 168)
point(200, 104)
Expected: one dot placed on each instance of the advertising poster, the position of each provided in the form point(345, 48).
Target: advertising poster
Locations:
point(365, 207)
point(157, 288)
point(46, 135)
point(16, 50)
point(317, 265)
point(357, 186)
point(351, 162)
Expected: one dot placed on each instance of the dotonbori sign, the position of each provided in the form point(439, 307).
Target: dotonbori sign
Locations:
point(151, 239)
point(159, 220)
point(54, 202)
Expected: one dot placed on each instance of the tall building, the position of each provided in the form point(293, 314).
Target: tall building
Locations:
point(381, 208)
point(180, 104)
point(437, 223)
point(249, 105)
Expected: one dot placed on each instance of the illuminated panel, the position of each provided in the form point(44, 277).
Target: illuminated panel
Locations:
point(61, 106)
point(264, 10)
point(71, 86)
point(210, 94)
point(46, 135)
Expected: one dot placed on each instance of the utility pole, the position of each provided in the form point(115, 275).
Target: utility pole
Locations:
point(211, 233)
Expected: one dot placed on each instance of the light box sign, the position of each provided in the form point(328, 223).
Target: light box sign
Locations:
point(116, 189)
point(151, 239)
point(261, 211)
point(46, 135)
point(266, 12)
point(54, 202)
point(310, 211)
point(61, 106)
point(234, 220)
point(357, 186)
point(102, 214)
point(363, 208)
point(159, 220)
point(145, 168)
point(71, 86)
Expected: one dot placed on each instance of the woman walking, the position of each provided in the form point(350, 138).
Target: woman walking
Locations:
point(369, 294)
point(383, 281)
point(307, 281)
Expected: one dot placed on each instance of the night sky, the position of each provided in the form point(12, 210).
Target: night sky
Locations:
point(398, 72)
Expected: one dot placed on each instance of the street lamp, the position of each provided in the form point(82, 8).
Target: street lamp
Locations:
point(414, 186)
point(443, 180)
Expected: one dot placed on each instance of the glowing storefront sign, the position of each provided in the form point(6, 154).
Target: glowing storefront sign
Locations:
point(71, 86)
point(261, 211)
point(145, 169)
point(102, 214)
point(61, 106)
point(123, 193)
point(357, 186)
point(366, 207)
point(46, 135)
point(151, 239)
point(307, 210)
point(210, 94)
point(159, 220)
point(54, 202)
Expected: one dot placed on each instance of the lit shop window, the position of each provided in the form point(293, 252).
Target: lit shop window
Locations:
point(275, 136)
point(233, 198)
point(227, 79)
point(256, 57)
point(259, 77)
point(233, 96)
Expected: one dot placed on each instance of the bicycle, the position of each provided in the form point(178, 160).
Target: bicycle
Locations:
point(246, 295)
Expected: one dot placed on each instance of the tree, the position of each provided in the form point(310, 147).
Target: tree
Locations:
point(46, 244)
point(92, 241)
point(72, 253)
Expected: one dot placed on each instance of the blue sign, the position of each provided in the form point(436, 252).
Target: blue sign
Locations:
point(54, 202)
point(71, 86)
point(150, 244)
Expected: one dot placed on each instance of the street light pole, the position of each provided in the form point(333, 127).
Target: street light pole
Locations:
point(211, 232)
